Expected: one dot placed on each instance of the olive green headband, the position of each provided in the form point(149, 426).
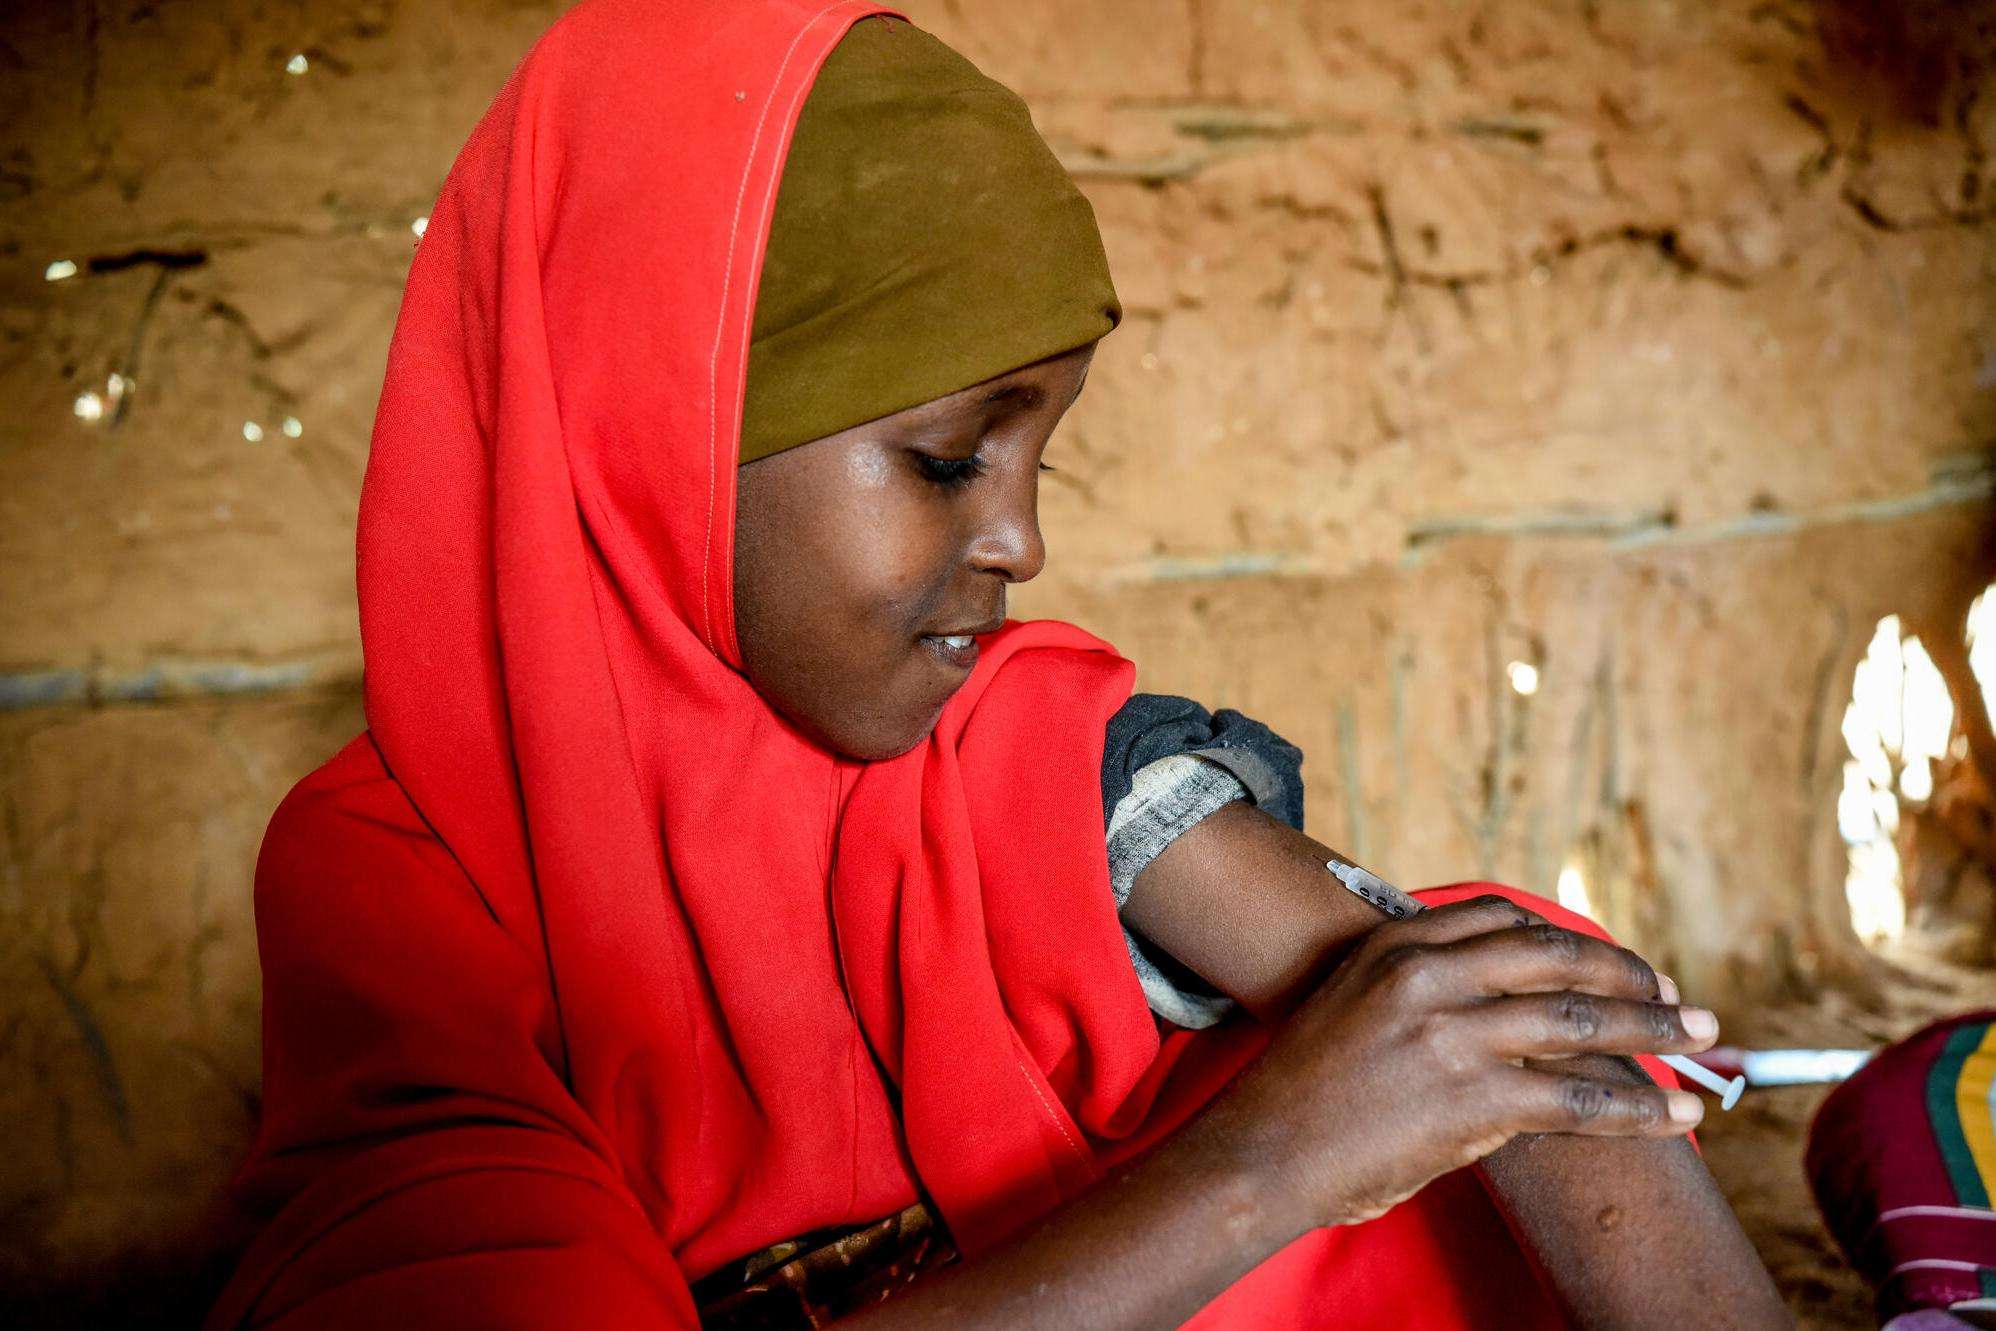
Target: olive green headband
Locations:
point(925, 239)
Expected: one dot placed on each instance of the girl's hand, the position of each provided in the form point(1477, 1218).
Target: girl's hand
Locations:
point(1409, 1059)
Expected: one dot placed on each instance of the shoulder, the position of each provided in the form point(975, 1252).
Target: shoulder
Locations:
point(1035, 678)
point(345, 843)
point(1150, 728)
point(350, 798)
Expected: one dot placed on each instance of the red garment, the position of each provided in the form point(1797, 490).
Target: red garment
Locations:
point(557, 955)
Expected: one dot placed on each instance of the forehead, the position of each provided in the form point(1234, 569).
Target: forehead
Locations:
point(1023, 389)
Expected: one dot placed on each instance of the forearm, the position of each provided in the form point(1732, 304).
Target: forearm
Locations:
point(1632, 1233)
point(1147, 1248)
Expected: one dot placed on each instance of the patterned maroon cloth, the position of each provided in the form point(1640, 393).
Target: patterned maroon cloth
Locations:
point(1901, 1158)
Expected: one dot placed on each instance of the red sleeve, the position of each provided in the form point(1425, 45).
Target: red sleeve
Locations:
point(420, 1161)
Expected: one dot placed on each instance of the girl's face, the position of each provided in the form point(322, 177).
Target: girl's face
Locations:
point(854, 553)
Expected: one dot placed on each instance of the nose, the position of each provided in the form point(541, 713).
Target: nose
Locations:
point(1007, 540)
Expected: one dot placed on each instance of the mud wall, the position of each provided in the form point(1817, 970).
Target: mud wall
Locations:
point(1647, 344)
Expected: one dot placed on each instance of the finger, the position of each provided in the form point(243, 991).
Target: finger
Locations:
point(1537, 958)
point(1558, 1102)
point(1459, 920)
point(1566, 1022)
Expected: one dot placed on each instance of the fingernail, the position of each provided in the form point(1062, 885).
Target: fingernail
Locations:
point(1699, 1023)
point(1684, 1106)
point(1666, 988)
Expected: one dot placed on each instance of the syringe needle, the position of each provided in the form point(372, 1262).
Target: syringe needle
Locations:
point(1727, 1091)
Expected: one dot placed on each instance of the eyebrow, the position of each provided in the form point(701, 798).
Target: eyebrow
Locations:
point(1027, 396)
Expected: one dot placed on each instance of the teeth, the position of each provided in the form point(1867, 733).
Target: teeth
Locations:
point(958, 642)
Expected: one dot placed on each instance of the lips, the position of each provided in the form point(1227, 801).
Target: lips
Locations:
point(957, 648)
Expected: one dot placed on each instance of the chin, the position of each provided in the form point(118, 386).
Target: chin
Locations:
point(876, 745)
point(875, 750)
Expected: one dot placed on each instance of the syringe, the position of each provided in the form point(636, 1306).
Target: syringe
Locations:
point(1399, 905)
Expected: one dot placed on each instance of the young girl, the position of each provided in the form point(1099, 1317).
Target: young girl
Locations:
point(716, 921)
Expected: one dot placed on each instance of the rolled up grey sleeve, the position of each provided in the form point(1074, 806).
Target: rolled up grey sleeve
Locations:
point(1168, 763)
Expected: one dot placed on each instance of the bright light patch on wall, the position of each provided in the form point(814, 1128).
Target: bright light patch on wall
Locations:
point(1572, 891)
point(253, 432)
point(1898, 724)
point(59, 270)
point(419, 226)
point(1524, 677)
point(88, 407)
point(292, 427)
point(1929, 716)
point(1982, 646)
point(297, 64)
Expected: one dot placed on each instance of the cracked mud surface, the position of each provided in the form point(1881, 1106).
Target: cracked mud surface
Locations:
point(1650, 344)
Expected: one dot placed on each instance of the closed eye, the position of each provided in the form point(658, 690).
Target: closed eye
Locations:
point(957, 471)
point(952, 472)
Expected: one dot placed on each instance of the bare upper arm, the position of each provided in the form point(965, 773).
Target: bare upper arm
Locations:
point(1244, 900)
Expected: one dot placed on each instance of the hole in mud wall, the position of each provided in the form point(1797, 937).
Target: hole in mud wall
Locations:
point(1914, 811)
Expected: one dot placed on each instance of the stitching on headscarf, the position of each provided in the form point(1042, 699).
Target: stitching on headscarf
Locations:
point(727, 280)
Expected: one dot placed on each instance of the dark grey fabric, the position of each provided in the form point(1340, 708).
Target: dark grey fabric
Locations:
point(1155, 725)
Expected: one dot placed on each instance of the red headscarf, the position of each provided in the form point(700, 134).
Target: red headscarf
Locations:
point(578, 962)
